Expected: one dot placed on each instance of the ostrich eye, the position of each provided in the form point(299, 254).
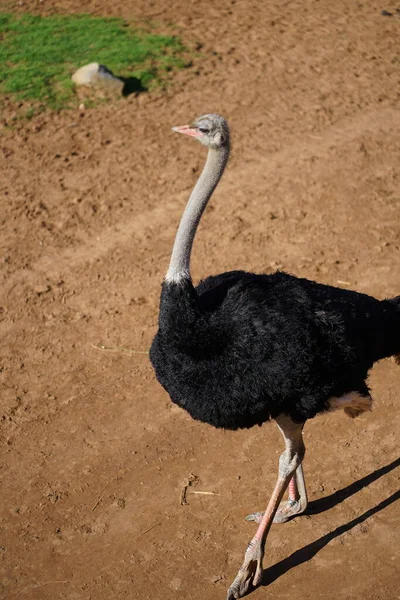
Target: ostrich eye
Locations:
point(204, 130)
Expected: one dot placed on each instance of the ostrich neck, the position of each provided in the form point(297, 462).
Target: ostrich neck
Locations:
point(179, 267)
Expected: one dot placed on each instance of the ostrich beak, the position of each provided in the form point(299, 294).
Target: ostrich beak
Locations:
point(187, 130)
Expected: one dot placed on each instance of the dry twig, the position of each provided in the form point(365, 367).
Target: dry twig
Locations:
point(186, 485)
point(147, 530)
point(118, 349)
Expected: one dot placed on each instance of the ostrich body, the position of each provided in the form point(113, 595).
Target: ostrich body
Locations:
point(243, 348)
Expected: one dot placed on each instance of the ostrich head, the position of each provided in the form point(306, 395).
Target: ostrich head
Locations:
point(211, 130)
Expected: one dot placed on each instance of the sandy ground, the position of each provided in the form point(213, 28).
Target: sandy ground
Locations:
point(94, 456)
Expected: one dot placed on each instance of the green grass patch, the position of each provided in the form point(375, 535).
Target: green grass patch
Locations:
point(39, 54)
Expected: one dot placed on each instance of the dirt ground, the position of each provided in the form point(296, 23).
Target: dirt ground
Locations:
point(94, 455)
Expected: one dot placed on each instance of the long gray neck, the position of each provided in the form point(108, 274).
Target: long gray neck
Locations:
point(179, 266)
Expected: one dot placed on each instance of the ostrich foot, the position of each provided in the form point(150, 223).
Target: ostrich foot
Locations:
point(286, 511)
point(250, 573)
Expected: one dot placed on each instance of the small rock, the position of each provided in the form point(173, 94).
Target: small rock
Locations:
point(41, 289)
point(99, 77)
point(84, 75)
point(386, 13)
point(175, 583)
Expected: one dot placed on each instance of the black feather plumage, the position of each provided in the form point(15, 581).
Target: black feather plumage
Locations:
point(243, 348)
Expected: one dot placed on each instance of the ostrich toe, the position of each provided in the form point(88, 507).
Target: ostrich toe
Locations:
point(286, 511)
point(250, 573)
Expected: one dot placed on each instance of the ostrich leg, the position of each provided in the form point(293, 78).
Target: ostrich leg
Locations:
point(250, 573)
point(297, 500)
point(295, 505)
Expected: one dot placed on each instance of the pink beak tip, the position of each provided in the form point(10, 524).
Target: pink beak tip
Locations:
point(187, 130)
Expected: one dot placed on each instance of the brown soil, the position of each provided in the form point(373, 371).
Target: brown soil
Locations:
point(94, 455)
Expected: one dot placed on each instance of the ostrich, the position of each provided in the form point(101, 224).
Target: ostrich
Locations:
point(241, 349)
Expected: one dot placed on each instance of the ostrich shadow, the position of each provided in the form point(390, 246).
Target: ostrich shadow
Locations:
point(318, 506)
point(322, 504)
